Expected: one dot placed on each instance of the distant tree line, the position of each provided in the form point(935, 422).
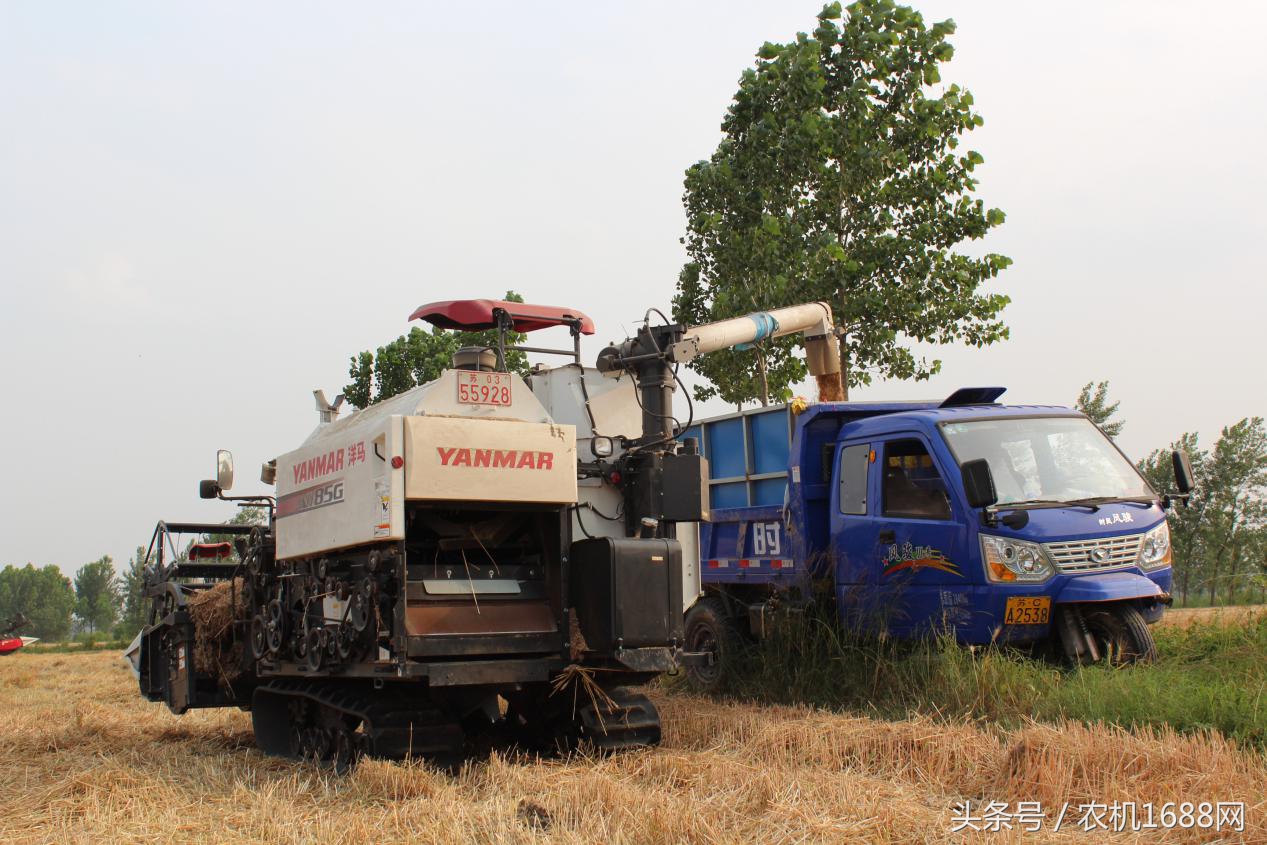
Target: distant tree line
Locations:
point(93, 602)
point(1219, 538)
point(99, 602)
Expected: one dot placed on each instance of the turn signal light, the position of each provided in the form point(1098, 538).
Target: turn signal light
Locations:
point(1001, 572)
point(397, 462)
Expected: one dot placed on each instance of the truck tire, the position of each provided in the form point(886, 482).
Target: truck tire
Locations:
point(709, 629)
point(1121, 634)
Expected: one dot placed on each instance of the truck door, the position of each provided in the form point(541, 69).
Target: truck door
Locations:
point(919, 546)
point(853, 531)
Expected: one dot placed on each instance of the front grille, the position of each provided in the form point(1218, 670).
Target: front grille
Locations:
point(1095, 554)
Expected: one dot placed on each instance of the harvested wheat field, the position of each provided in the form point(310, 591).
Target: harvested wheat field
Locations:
point(85, 760)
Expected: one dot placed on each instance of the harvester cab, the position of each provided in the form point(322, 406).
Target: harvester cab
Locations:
point(482, 551)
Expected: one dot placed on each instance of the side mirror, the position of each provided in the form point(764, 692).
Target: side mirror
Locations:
point(224, 469)
point(1183, 470)
point(978, 483)
point(208, 489)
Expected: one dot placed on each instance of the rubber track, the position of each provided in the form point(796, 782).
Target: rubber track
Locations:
point(392, 722)
point(630, 721)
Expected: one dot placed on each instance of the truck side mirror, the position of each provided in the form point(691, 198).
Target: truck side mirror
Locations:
point(208, 489)
point(224, 469)
point(978, 483)
point(1183, 470)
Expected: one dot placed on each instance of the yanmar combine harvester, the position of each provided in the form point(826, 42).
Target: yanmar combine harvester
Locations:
point(479, 553)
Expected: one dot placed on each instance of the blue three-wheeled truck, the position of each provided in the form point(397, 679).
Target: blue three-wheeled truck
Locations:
point(997, 523)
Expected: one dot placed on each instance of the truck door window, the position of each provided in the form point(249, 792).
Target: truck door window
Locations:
point(912, 486)
point(852, 478)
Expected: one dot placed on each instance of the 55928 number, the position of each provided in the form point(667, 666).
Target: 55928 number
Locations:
point(484, 388)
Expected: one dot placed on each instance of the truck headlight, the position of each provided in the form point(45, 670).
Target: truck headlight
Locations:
point(1008, 560)
point(1154, 552)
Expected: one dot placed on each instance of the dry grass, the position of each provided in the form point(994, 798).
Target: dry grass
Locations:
point(83, 759)
point(1230, 615)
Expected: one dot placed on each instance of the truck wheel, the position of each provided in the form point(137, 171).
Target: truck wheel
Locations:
point(1121, 634)
point(709, 629)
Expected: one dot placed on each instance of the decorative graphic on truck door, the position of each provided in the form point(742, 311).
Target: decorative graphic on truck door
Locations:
point(908, 556)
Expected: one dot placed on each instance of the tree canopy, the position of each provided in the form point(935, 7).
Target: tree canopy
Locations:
point(1220, 537)
point(840, 178)
point(132, 589)
point(417, 358)
point(44, 596)
point(1093, 400)
point(97, 595)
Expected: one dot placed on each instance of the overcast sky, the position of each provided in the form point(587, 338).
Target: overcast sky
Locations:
point(204, 210)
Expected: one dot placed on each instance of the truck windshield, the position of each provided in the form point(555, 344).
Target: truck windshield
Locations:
point(1046, 458)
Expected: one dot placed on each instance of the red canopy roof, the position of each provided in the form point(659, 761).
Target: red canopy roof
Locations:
point(477, 314)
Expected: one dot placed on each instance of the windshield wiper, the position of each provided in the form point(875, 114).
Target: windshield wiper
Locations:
point(1025, 504)
point(1091, 501)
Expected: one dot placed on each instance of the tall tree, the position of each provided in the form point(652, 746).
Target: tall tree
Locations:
point(1238, 463)
point(417, 358)
point(840, 178)
point(97, 596)
point(132, 588)
point(44, 596)
point(1186, 522)
point(1093, 400)
point(1216, 538)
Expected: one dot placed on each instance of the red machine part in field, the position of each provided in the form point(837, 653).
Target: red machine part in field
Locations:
point(9, 639)
point(11, 644)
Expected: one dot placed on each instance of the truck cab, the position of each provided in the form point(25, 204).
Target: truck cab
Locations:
point(994, 523)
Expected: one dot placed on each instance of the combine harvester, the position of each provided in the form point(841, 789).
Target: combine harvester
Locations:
point(481, 553)
point(996, 523)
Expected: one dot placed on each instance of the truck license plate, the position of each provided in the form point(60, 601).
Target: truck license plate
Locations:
point(484, 388)
point(1028, 610)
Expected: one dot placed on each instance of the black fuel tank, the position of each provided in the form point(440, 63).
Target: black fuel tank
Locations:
point(627, 591)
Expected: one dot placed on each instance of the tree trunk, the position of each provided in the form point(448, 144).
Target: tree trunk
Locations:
point(765, 376)
point(844, 355)
point(1214, 580)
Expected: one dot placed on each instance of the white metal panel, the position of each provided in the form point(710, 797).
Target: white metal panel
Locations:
point(611, 401)
point(340, 490)
point(440, 397)
point(600, 512)
point(692, 589)
point(464, 459)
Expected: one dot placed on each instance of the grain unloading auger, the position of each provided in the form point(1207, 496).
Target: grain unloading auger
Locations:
point(479, 554)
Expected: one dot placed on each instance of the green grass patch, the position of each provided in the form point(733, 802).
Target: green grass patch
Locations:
point(1207, 677)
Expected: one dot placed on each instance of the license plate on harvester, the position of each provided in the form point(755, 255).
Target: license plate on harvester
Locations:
point(1028, 610)
point(484, 388)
